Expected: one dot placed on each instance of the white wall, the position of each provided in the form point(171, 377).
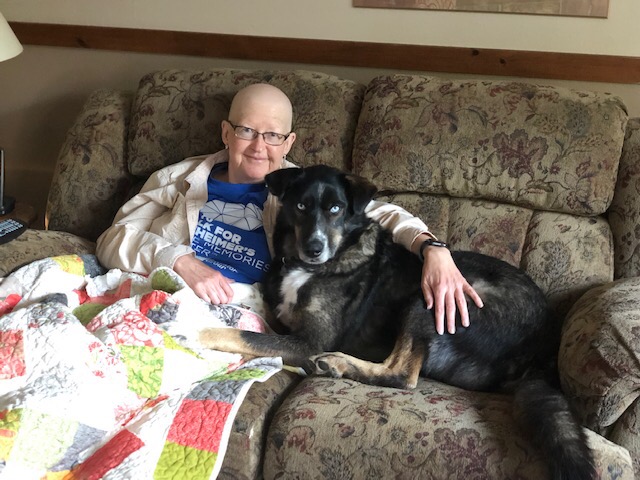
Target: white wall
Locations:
point(338, 20)
point(42, 89)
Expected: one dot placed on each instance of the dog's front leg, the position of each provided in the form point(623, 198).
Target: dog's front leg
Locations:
point(400, 370)
point(294, 351)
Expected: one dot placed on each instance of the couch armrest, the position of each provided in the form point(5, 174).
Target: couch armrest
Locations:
point(91, 178)
point(38, 244)
point(624, 213)
point(248, 437)
point(599, 362)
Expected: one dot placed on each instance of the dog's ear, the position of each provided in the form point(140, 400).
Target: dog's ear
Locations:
point(278, 182)
point(361, 191)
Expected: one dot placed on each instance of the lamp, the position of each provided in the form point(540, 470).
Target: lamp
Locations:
point(9, 48)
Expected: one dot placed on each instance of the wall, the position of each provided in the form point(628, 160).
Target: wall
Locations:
point(337, 20)
point(43, 88)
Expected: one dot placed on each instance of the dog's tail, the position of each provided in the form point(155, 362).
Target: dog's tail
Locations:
point(547, 415)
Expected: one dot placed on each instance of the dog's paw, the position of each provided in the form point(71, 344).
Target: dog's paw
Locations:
point(336, 365)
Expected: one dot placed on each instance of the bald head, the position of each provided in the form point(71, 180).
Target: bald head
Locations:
point(264, 98)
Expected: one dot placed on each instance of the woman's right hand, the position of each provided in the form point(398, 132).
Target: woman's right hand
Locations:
point(208, 283)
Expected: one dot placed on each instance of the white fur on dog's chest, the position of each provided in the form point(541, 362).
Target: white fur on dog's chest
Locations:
point(291, 283)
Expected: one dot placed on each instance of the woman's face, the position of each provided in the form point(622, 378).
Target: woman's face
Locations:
point(251, 160)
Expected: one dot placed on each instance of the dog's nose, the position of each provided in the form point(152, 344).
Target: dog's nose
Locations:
point(314, 248)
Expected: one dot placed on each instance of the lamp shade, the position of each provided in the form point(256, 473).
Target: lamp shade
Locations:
point(9, 44)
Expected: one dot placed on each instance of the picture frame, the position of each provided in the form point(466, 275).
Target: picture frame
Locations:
point(574, 8)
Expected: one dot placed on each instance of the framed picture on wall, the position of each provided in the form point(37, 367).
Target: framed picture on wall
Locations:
point(574, 8)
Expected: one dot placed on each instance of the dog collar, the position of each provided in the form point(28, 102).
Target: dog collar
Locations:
point(291, 262)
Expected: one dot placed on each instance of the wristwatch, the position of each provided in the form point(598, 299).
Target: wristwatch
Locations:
point(430, 242)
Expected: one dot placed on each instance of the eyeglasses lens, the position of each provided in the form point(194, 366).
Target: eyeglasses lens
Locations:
point(270, 138)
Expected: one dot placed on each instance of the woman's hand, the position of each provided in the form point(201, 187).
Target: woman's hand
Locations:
point(208, 283)
point(444, 286)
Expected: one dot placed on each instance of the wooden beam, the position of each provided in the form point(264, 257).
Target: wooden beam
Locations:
point(509, 63)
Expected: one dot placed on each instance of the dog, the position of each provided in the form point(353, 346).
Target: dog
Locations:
point(350, 305)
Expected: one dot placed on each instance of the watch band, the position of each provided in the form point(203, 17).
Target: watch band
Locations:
point(430, 242)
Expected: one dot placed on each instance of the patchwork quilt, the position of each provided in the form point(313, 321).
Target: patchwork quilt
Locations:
point(101, 374)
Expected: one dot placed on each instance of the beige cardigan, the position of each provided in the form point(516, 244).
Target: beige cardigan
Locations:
point(157, 225)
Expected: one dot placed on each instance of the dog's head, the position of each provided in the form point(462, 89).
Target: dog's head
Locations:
point(321, 206)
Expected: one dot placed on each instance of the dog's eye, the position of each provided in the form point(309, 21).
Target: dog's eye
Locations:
point(334, 209)
point(301, 207)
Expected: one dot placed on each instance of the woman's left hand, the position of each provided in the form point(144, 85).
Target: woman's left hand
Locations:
point(444, 287)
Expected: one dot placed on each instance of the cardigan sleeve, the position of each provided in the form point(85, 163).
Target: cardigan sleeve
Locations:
point(404, 227)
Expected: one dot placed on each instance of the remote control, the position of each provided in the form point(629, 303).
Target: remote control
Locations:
point(10, 229)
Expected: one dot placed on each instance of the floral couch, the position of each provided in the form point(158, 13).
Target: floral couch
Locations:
point(545, 178)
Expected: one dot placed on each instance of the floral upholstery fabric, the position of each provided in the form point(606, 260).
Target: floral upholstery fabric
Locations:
point(599, 362)
point(178, 114)
point(35, 245)
point(91, 179)
point(625, 209)
point(337, 429)
point(566, 255)
point(542, 147)
point(518, 171)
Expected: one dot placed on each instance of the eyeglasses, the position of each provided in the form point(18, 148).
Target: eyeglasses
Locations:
point(270, 138)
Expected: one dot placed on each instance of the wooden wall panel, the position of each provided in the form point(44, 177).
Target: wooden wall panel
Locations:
point(514, 63)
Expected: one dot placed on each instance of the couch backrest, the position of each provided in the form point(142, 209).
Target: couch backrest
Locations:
point(116, 143)
point(177, 114)
point(519, 171)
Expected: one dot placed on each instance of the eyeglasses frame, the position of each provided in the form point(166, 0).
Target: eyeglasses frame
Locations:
point(285, 135)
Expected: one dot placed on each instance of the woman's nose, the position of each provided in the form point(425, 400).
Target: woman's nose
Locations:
point(258, 143)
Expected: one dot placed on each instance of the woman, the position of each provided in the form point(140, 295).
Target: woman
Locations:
point(181, 218)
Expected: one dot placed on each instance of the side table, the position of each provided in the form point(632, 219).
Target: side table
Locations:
point(24, 212)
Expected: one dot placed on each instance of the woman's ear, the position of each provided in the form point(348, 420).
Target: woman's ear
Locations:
point(289, 142)
point(226, 131)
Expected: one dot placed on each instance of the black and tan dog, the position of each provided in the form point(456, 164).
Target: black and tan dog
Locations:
point(351, 303)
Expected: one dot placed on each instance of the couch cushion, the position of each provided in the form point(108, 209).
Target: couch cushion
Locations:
point(177, 114)
point(342, 429)
point(38, 244)
point(565, 254)
point(245, 451)
point(542, 147)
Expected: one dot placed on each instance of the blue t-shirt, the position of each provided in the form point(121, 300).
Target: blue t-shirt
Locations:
point(230, 236)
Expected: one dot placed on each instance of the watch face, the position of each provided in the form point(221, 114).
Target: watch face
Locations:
point(437, 243)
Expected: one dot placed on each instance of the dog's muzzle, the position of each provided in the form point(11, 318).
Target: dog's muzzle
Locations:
point(315, 250)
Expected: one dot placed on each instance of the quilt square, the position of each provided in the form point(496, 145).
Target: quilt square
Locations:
point(145, 366)
point(199, 424)
point(42, 439)
point(136, 329)
point(12, 362)
point(179, 461)
point(8, 303)
point(9, 425)
point(83, 439)
point(71, 264)
point(108, 456)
